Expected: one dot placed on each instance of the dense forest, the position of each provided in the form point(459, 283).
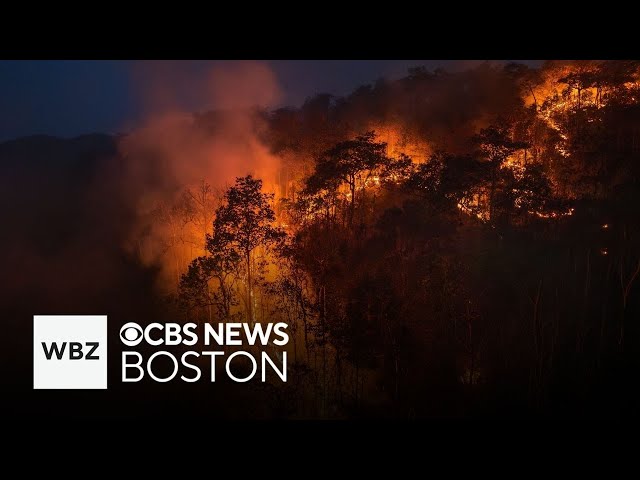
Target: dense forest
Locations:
point(442, 245)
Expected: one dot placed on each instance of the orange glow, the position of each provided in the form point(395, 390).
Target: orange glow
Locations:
point(400, 140)
point(568, 213)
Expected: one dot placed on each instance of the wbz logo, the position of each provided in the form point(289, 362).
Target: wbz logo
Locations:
point(69, 351)
point(75, 350)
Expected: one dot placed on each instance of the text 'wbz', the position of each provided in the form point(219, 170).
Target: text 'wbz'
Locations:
point(240, 366)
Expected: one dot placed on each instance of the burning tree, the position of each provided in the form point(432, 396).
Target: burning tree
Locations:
point(496, 145)
point(353, 163)
point(244, 224)
point(210, 281)
point(387, 271)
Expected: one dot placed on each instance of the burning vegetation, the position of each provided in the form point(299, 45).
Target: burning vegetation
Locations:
point(442, 244)
point(433, 220)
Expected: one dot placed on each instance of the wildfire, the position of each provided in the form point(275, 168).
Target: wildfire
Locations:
point(373, 181)
point(568, 213)
point(563, 89)
point(400, 140)
point(476, 206)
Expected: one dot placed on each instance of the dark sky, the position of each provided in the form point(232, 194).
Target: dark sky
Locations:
point(69, 98)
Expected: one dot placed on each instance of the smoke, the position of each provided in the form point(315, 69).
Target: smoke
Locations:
point(175, 150)
point(199, 122)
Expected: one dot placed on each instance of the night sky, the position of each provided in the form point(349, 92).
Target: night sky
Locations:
point(70, 98)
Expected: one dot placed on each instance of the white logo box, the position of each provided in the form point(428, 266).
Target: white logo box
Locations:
point(69, 340)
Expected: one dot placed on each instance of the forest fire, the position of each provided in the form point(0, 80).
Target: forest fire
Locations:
point(437, 244)
point(261, 249)
point(400, 140)
point(567, 213)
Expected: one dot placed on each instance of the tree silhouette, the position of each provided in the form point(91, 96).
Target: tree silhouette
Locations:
point(388, 281)
point(242, 224)
point(497, 145)
point(352, 162)
point(195, 288)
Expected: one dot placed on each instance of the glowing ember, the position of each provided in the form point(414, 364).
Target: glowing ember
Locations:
point(568, 213)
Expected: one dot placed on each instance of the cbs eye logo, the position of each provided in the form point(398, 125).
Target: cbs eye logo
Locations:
point(131, 334)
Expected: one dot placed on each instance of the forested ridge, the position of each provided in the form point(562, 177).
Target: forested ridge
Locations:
point(445, 244)
point(449, 243)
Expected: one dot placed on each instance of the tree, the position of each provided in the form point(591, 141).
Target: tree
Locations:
point(447, 182)
point(352, 162)
point(203, 201)
point(171, 228)
point(526, 78)
point(243, 223)
point(496, 145)
point(195, 285)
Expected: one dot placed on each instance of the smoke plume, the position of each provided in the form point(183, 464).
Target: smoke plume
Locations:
point(175, 151)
